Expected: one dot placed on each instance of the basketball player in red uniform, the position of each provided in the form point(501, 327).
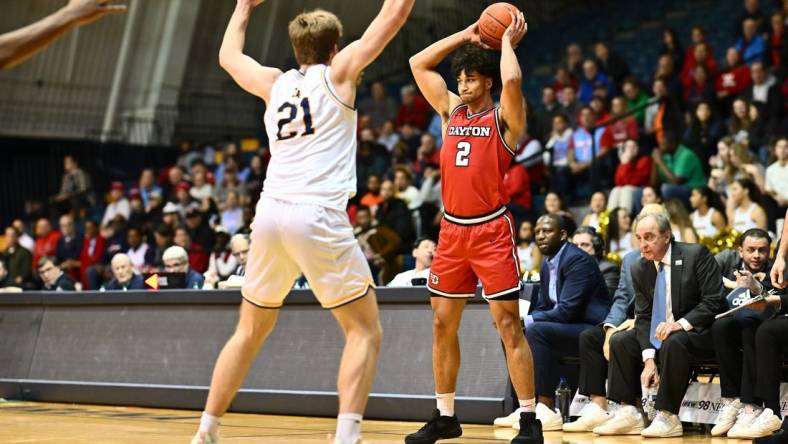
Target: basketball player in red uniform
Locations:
point(477, 232)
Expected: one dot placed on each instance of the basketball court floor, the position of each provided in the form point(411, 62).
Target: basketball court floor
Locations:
point(43, 423)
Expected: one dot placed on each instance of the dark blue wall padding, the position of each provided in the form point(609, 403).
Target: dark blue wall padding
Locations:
point(158, 349)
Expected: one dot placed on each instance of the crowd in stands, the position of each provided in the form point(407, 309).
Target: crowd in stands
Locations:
point(705, 137)
point(192, 218)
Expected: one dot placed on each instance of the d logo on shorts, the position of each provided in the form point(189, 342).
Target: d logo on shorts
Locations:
point(434, 279)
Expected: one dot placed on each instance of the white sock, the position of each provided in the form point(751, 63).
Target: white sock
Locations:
point(445, 403)
point(529, 405)
point(209, 424)
point(751, 408)
point(348, 428)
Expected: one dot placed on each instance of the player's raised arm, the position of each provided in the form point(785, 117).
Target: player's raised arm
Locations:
point(512, 110)
point(247, 73)
point(21, 44)
point(423, 66)
point(351, 60)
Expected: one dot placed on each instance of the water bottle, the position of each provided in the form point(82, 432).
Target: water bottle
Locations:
point(650, 400)
point(563, 399)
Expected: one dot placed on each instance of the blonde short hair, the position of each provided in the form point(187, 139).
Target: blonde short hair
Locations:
point(314, 35)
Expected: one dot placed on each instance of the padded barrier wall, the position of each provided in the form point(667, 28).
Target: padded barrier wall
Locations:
point(158, 349)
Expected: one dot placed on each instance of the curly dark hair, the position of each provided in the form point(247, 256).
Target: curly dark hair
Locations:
point(472, 58)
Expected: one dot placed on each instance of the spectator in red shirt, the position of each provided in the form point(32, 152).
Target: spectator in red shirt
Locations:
point(702, 56)
point(198, 254)
point(46, 241)
point(778, 40)
point(620, 131)
point(414, 108)
point(427, 153)
point(563, 79)
point(92, 251)
point(732, 81)
point(518, 186)
point(698, 38)
point(633, 173)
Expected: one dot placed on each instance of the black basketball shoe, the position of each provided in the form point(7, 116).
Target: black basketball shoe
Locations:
point(530, 430)
point(439, 427)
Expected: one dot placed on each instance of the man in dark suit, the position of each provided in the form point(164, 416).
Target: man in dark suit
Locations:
point(678, 291)
point(595, 343)
point(572, 297)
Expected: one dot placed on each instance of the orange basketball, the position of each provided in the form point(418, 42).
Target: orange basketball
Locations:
point(494, 21)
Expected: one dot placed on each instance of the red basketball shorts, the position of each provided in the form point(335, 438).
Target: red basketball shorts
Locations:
point(467, 254)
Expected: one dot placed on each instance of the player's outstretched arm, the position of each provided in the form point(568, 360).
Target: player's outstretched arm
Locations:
point(21, 44)
point(351, 60)
point(512, 109)
point(247, 73)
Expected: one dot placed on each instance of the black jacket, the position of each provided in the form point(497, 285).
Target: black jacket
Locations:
point(63, 283)
point(730, 261)
point(394, 213)
point(696, 289)
point(136, 283)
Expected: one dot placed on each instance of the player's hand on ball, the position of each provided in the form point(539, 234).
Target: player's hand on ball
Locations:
point(517, 29)
point(472, 34)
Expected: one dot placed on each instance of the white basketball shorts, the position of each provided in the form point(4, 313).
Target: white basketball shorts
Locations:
point(292, 238)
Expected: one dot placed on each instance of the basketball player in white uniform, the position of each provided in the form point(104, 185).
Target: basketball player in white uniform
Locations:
point(300, 224)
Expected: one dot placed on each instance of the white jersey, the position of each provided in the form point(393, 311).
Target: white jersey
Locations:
point(312, 137)
point(742, 219)
point(703, 225)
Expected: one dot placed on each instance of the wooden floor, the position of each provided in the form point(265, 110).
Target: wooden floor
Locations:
point(23, 422)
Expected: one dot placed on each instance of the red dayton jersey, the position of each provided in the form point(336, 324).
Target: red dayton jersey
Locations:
point(474, 159)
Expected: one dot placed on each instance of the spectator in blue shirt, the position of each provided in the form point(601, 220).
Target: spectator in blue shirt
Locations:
point(147, 185)
point(750, 45)
point(591, 78)
point(176, 260)
point(124, 277)
point(581, 151)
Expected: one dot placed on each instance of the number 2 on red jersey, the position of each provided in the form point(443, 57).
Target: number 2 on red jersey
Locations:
point(463, 153)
